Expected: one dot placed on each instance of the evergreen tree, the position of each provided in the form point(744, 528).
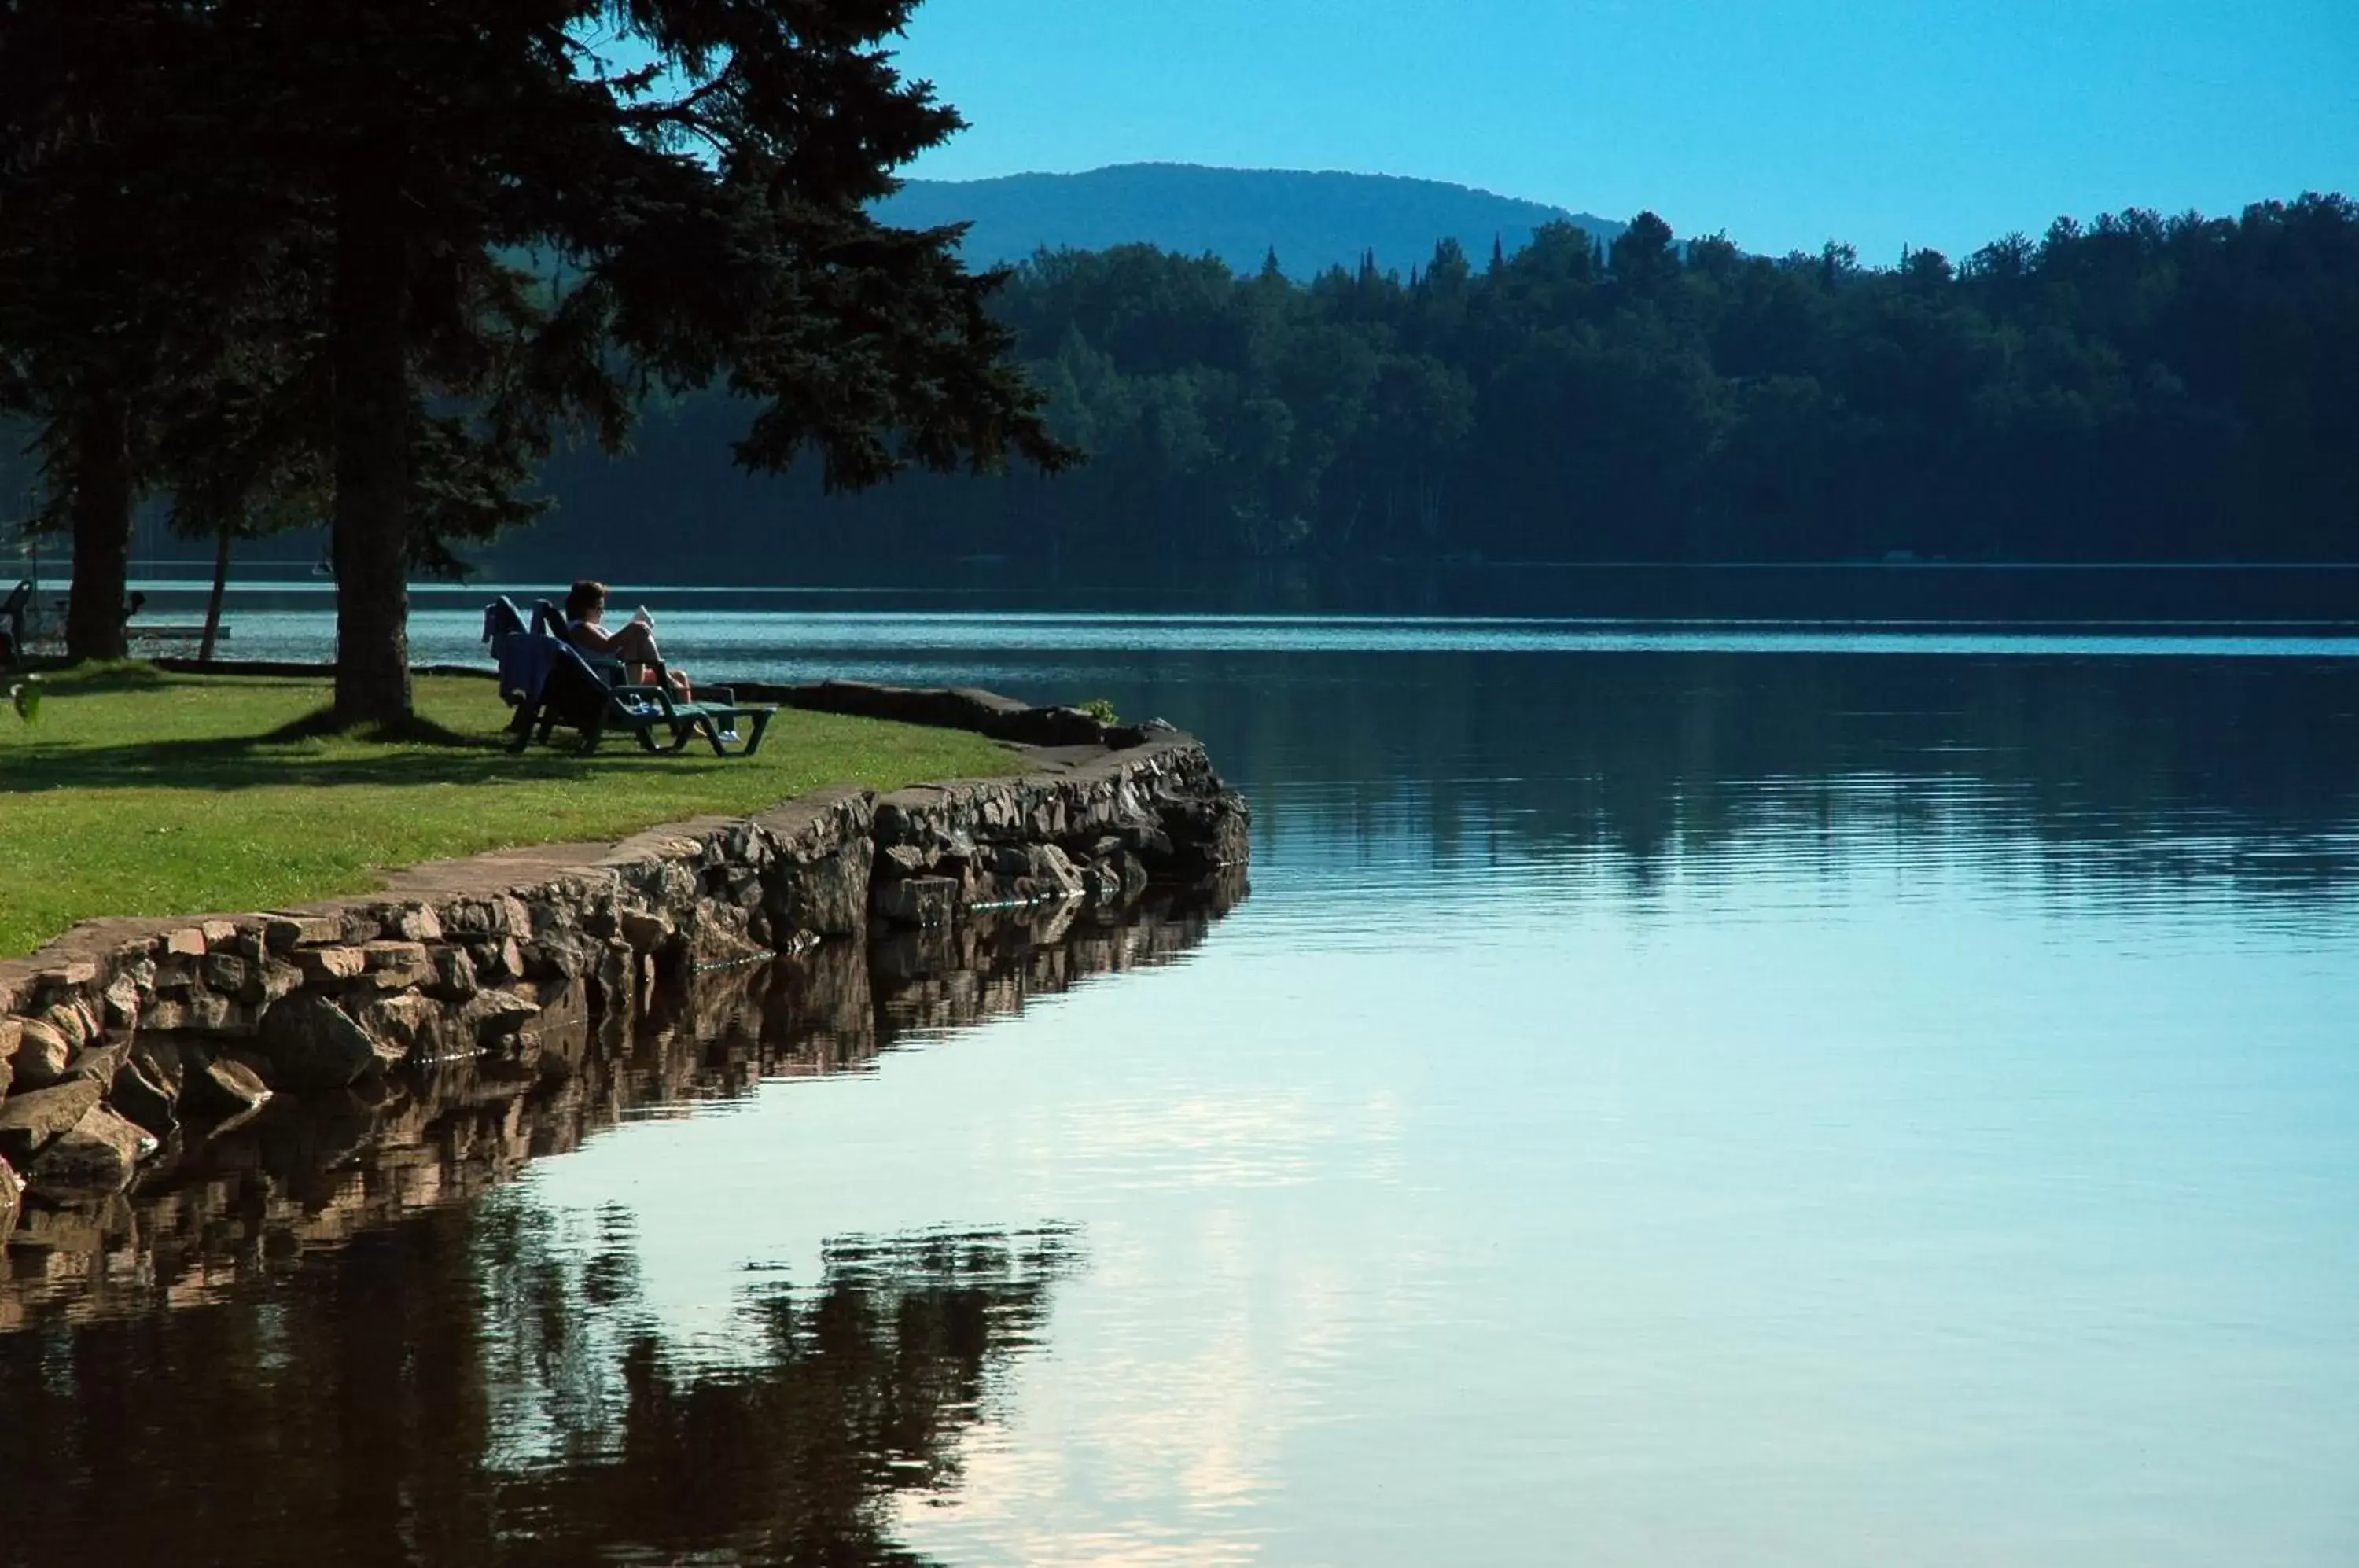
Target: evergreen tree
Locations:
point(87, 329)
point(706, 212)
point(2134, 389)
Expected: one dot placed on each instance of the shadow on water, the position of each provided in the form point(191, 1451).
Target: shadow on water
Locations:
point(332, 1333)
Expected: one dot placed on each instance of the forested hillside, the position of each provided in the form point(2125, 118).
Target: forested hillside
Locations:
point(1311, 219)
point(2134, 389)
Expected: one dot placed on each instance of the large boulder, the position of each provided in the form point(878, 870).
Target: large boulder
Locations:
point(225, 1089)
point(722, 935)
point(1053, 873)
point(12, 1194)
point(165, 1061)
point(199, 1012)
point(314, 1044)
point(123, 1000)
point(40, 1055)
point(491, 1016)
point(454, 974)
point(394, 965)
point(825, 893)
point(900, 860)
point(95, 1157)
point(99, 1061)
point(407, 1022)
point(29, 1120)
point(282, 934)
point(327, 965)
point(137, 1095)
point(1028, 874)
point(647, 930)
point(72, 1023)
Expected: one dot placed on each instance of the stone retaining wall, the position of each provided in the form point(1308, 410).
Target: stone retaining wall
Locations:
point(122, 1032)
point(224, 1205)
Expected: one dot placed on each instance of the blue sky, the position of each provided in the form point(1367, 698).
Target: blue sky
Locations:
point(1785, 124)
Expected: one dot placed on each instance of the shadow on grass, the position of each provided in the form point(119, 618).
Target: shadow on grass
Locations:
point(323, 725)
point(126, 675)
point(417, 751)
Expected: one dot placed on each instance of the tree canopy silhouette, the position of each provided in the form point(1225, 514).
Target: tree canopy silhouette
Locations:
point(2132, 389)
point(516, 217)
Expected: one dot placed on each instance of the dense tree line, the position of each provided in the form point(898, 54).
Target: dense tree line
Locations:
point(2134, 389)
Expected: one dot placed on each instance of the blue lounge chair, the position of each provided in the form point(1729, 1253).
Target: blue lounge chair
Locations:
point(577, 696)
point(522, 650)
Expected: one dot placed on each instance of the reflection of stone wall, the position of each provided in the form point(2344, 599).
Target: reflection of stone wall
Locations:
point(126, 1040)
point(228, 1197)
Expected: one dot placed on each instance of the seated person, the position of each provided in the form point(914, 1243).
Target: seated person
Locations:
point(635, 644)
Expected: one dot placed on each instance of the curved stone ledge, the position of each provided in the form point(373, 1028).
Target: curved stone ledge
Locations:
point(121, 1033)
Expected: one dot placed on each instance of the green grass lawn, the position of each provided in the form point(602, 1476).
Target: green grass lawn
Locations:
point(137, 792)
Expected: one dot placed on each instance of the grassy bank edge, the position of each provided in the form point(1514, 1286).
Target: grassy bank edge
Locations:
point(145, 791)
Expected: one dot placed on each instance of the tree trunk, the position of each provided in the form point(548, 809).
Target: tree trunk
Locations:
point(371, 441)
point(213, 600)
point(101, 510)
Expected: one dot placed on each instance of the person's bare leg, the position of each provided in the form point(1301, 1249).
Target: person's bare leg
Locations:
point(635, 644)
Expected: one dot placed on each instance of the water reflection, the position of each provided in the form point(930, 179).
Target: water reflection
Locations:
point(390, 1355)
point(2227, 756)
point(2228, 759)
point(315, 1171)
point(2111, 776)
point(466, 1388)
point(1670, 1109)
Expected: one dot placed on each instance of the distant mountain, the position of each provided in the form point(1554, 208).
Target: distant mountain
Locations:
point(1314, 220)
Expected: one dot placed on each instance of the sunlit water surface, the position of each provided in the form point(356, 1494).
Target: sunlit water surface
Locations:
point(1671, 1098)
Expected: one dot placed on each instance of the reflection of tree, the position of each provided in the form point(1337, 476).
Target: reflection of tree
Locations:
point(858, 1389)
point(467, 1389)
point(2146, 770)
point(352, 1380)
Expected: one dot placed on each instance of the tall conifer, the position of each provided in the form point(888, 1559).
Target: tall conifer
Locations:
point(697, 171)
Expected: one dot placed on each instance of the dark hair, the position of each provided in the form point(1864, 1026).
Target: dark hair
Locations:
point(583, 597)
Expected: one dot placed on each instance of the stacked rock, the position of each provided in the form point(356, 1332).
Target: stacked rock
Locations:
point(124, 1034)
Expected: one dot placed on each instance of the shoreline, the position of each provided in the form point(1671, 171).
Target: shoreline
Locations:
point(245, 1203)
point(128, 1043)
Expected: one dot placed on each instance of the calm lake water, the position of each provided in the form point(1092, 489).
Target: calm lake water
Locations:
point(1679, 1096)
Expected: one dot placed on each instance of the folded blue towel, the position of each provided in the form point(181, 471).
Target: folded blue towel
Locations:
point(524, 658)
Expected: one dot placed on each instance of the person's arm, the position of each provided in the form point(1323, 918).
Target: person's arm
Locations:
point(589, 638)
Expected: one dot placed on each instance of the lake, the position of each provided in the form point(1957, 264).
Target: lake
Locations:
point(1674, 1094)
